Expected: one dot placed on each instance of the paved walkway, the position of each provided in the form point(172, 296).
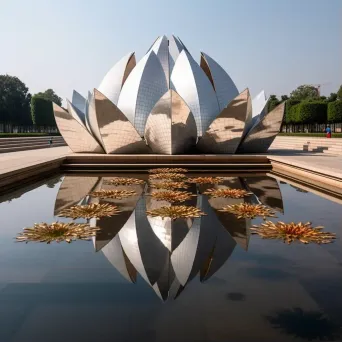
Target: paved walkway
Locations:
point(16, 160)
point(318, 162)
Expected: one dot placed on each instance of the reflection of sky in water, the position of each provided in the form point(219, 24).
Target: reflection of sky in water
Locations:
point(63, 292)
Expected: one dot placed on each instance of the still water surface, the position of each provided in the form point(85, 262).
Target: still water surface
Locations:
point(145, 279)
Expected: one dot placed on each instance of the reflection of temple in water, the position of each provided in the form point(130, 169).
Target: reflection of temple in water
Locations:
point(167, 253)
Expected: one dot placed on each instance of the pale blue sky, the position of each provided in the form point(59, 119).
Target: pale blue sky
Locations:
point(274, 45)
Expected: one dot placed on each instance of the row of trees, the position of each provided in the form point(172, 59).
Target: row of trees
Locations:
point(306, 106)
point(19, 107)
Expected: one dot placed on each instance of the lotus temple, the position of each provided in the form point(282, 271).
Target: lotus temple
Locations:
point(168, 103)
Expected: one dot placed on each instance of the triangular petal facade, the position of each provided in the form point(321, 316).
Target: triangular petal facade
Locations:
point(175, 48)
point(80, 103)
point(117, 134)
point(171, 127)
point(225, 132)
point(74, 133)
point(112, 83)
point(259, 103)
point(262, 134)
point(142, 89)
point(224, 87)
point(192, 84)
point(161, 49)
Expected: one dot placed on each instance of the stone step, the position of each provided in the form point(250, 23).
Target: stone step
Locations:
point(110, 167)
point(327, 143)
point(310, 143)
point(309, 148)
point(304, 143)
point(337, 148)
point(332, 152)
point(335, 141)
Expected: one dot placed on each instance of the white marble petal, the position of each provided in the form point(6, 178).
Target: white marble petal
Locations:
point(145, 85)
point(259, 103)
point(80, 103)
point(161, 49)
point(192, 84)
point(224, 87)
point(115, 78)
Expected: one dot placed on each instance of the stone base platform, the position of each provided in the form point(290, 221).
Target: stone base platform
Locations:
point(315, 170)
point(201, 163)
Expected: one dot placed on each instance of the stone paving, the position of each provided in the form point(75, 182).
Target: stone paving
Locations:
point(319, 162)
point(15, 160)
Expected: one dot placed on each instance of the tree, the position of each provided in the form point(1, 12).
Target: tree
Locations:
point(332, 97)
point(305, 92)
point(50, 95)
point(14, 101)
point(339, 93)
point(272, 103)
point(284, 98)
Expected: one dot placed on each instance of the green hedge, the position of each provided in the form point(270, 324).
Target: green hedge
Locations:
point(335, 111)
point(288, 116)
point(294, 113)
point(42, 112)
point(309, 112)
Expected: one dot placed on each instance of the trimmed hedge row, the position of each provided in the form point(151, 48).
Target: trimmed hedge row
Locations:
point(288, 113)
point(42, 112)
point(307, 112)
point(335, 111)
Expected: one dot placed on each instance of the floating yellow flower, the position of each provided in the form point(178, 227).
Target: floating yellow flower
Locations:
point(228, 192)
point(206, 180)
point(177, 211)
point(172, 196)
point(171, 176)
point(90, 211)
point(57, 231)
point(116, 194)
point(169, 185)
point(289, 232)
point(246, 210)
point(124, 181)
point(168, 170)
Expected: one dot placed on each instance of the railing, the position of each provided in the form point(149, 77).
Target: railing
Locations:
point(311, 128)
point(11, 128)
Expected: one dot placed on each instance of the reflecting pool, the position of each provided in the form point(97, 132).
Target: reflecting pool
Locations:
point(142, 277)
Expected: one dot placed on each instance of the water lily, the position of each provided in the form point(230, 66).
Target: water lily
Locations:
point(57, 231)
point(89, 211)
point(290, 232)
